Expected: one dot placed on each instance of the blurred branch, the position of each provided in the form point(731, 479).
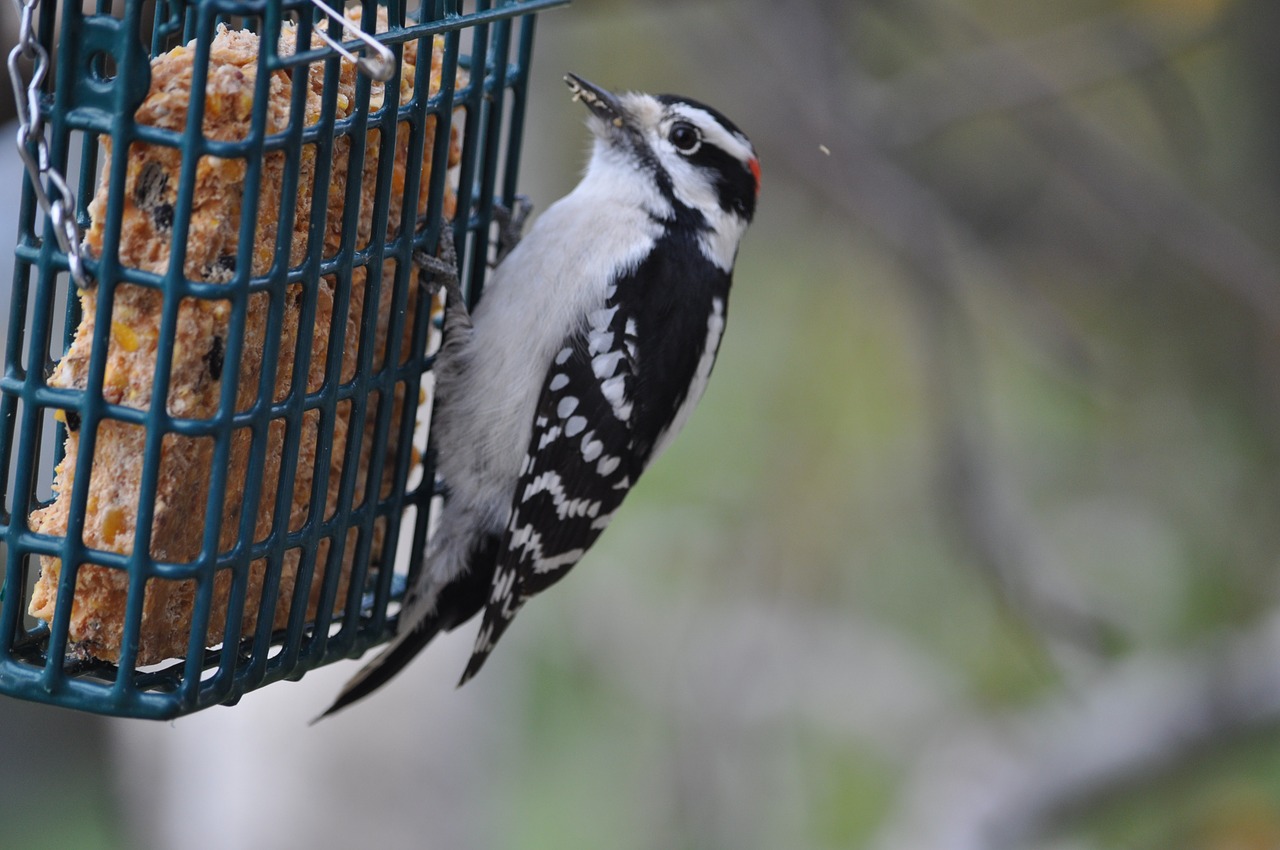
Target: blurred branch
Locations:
point(738, 680)
point(865, 183)
point(809, 72)
point(732, 670)
point(1000, 784)
point(826, 144)
point(997, 77)
point(1161, 207)
point(747, 662)
point(1151, 201)
point(983, 505)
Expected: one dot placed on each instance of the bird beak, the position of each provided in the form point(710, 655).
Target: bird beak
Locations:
point(603, 104)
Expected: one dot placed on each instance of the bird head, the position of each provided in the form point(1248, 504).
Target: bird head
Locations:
point(697, 158)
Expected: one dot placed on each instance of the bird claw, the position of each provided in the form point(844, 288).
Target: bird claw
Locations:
point(442, 270)
point(510, 225)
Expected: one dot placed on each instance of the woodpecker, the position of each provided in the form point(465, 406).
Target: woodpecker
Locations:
point(589, 349)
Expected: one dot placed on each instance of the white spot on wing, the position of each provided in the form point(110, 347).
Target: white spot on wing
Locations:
point(502, 585)
point(521, 536)
point(604, 365)
point(548, 437)
point(599, 342)
point(600, 319)
point(558, 562)
point(629, 340)
point(567, 405)
point(613, 391)
point(575, 426)
point(484, 640)
point(559, 381)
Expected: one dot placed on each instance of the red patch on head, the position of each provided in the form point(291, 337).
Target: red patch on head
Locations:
point(754, 165)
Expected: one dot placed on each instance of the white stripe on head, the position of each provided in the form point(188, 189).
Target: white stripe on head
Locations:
point(735, 144)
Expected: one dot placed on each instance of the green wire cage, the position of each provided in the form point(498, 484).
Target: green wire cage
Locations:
point(215, 370)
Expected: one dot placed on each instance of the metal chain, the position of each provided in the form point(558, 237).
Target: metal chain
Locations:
point(33, 148)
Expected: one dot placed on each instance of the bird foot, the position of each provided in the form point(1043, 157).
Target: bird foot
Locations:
point(511, 224)
point(442, 269)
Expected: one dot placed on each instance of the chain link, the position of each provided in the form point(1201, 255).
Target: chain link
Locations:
point(61, 208)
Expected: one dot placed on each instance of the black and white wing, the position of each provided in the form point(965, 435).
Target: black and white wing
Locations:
point(580, 463)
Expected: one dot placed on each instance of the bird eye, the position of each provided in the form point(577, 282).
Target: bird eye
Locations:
point(684, 136)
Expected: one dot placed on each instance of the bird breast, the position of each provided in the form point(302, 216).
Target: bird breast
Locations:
point(539, 297)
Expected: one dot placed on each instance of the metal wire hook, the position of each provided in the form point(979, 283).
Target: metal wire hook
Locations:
point(379, 67)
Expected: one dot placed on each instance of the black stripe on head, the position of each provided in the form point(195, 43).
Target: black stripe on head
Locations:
point(681, 214)
point(735, 183)
point(671, 99)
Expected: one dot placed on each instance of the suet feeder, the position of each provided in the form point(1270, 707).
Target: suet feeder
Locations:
point(218, 347)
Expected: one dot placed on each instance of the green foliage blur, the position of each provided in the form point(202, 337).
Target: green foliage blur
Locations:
point(1033, 238)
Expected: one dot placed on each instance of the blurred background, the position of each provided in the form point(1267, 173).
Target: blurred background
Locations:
point(973, 541)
